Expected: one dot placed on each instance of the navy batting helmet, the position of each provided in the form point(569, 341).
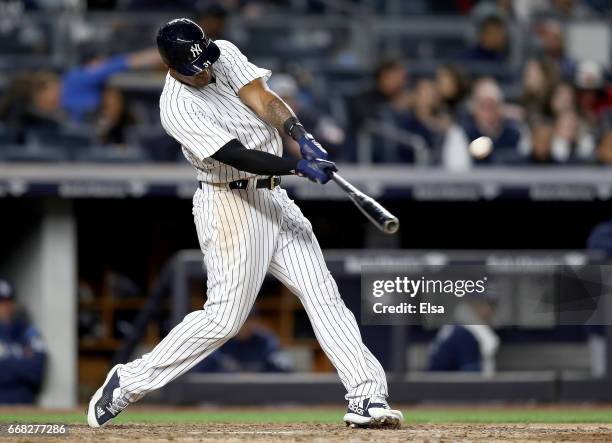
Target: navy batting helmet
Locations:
point(184, 47)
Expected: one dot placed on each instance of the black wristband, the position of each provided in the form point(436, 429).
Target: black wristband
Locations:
point(294, 128)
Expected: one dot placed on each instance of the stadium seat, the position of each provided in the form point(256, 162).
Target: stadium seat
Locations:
point(7, 136)
point(111, 154)
point(33, 153)
point(155, 143)
point(71, 141)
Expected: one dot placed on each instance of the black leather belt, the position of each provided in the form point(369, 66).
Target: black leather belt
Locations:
point(268, 183)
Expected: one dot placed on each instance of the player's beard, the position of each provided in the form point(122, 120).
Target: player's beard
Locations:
point(202, 79)
point(197, 81)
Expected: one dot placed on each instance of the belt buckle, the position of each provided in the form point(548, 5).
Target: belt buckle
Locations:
point(274, 181)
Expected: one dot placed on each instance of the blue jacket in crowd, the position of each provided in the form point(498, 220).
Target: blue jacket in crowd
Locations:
point(82, 86)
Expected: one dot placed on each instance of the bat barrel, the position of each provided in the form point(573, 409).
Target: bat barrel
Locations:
point(378, 215)
point(391, 226)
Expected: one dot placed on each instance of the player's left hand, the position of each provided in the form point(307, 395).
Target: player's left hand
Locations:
point(310, 148)
point(316, 170)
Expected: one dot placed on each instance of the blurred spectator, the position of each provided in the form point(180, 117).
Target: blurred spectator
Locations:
point(254, 349)
point(114, 118)
point(44, 103)
point(570, 9)
point(492, 41)
point(539, 80)
point(388, 96)
point(470, 345)
point(593, 95)
point(37, 101)
point(83, 86)
point(15, 99)
point(572, 141)
point(22, 353)
point(563, 99)
point(322, 127)
point(213, 20)
point(604, 149)
point(559, 135)
point(426, 118)
point(387, 104)
point(551, 46)
point(453, 87)
point(510, 141)
point(541, 143)
point(32, 101)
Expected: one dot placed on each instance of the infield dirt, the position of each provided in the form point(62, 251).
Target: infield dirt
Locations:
point(269, 433)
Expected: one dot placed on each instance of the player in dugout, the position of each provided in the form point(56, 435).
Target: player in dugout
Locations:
point(22, 352)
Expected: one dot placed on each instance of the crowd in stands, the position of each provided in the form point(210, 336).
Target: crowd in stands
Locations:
point(522, 8)
point(557, 110)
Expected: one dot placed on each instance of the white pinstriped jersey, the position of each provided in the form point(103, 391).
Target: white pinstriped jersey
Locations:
point(204, 119)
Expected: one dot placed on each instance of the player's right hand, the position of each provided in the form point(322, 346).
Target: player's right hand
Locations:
point(316, 170)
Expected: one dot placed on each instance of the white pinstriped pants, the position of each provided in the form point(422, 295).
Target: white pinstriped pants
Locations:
point(244, 234)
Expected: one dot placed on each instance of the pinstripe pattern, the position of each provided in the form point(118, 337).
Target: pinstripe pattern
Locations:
point(243, 235)
point(299, 264)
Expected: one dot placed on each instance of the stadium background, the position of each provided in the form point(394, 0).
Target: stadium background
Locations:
point(95, 209)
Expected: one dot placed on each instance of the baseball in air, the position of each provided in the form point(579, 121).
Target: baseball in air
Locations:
point(481, 147)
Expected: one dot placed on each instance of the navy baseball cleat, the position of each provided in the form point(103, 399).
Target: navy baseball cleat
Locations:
point(107, 402)
point(372, 413)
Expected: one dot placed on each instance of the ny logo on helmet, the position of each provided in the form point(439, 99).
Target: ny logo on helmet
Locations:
point(196, 50)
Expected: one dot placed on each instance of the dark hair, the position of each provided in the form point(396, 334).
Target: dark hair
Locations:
point(460, 78)
point(386, 64)
point(542, 100)
point(22, 88)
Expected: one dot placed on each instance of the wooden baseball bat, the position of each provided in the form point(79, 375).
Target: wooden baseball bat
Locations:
point(374, 211)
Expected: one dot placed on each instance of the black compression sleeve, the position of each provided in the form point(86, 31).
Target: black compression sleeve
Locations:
point(235, 154)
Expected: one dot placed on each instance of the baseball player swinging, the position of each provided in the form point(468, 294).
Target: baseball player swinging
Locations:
point(218, 106)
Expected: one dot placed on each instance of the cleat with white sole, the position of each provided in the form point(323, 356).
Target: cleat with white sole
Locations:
point(107, 402)
point(372, 413)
